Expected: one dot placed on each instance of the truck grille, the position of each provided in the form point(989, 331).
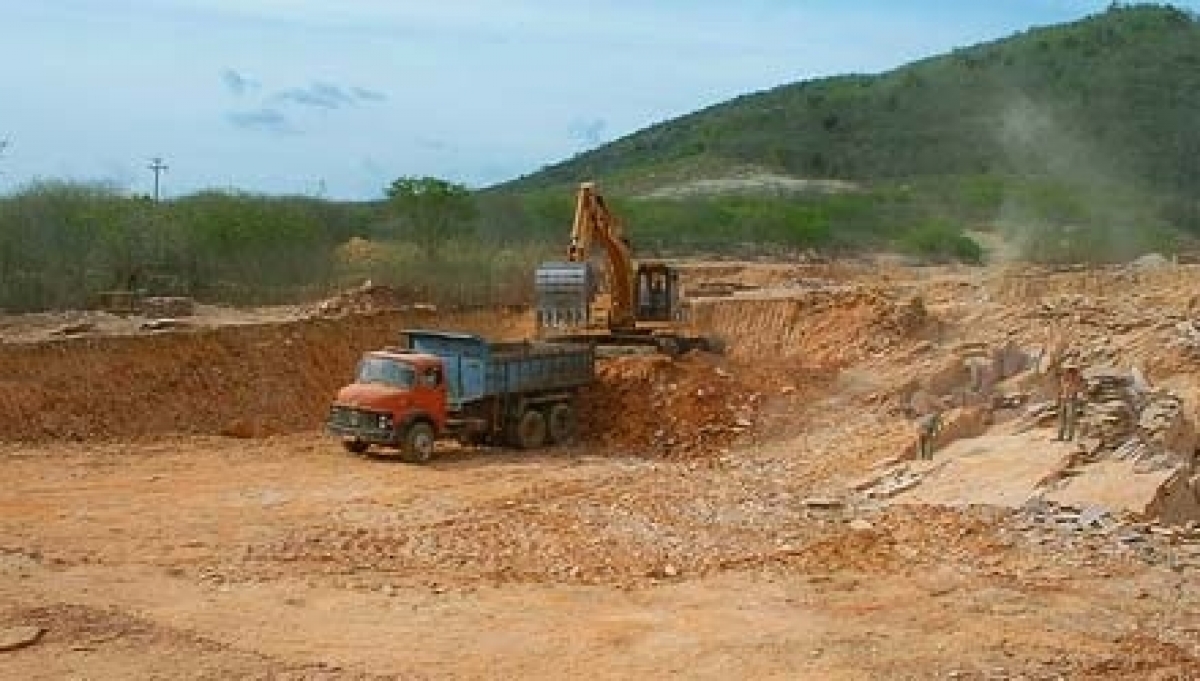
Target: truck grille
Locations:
point(353, 418)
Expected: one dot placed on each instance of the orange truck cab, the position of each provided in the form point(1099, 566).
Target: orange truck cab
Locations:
point(451, 385)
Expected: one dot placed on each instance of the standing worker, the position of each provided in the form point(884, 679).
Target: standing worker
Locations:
point(1070, 392)
point(928, 428)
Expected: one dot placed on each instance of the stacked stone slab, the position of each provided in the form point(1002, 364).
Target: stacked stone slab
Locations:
point(1130, 420)
point(1112, 407)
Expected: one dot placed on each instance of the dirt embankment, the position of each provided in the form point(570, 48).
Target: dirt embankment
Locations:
point(241, 380)
point(825, 327)
point(277, 377)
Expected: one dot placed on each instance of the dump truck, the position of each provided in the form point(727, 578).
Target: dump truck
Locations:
point(441, 385)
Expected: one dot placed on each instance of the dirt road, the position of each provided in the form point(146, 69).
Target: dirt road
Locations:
point(214, 558)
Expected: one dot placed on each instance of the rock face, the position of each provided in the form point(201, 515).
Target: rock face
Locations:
point(1178, 502)
point(972, 377)
point(1164, 426)
point(1135, 449)
point(1127, 422)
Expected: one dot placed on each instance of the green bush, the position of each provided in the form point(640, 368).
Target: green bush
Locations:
point(941, 241)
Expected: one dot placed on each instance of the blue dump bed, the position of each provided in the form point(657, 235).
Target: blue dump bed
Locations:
point(477, 369)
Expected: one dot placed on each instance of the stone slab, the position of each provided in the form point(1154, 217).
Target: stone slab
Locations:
point(1113, 485)
point(993, 470)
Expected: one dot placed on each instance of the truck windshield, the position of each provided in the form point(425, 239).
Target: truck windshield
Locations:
point(385, 371)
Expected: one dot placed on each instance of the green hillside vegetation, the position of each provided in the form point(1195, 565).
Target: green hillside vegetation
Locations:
point(1088, 126)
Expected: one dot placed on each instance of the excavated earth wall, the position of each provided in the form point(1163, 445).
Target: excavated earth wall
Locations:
point(245, 380)
point(826, 327)
point(261, 379)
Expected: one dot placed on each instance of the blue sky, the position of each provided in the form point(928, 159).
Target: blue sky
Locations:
point(340, 97)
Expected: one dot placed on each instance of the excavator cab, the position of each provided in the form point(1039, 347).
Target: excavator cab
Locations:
point(658, 293)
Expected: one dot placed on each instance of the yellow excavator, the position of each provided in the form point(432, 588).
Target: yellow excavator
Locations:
point(643, 304)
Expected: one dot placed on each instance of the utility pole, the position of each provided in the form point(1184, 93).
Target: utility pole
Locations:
point(157, 165)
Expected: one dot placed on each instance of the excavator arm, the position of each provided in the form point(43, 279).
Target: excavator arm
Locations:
point(594, 222)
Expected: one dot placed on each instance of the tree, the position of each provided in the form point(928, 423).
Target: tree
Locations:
point(432, 212)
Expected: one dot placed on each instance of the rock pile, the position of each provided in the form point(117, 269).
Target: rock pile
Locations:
point(365, 299)
point(1188, 336)
point(163, 307)
point(1042, 522)
point(1112, 405)
point(686, 408)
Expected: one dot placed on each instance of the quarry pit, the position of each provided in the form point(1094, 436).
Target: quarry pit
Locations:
point(171, 507)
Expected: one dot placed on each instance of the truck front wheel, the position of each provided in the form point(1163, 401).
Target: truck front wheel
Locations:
point(418, 443)
point(355, 446)
point(531, 430)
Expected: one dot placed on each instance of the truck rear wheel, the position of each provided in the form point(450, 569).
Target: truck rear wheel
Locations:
point(531, 430)
point(560, 424)
point(418, 443)
point(668, 345)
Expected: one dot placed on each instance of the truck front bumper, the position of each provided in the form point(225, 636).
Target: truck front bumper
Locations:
point(360, 424)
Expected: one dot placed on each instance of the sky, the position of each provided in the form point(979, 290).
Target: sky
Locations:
point(336, 98)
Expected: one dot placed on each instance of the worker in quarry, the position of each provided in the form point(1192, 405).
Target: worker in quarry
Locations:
point(1070, 395)
point(928, 428)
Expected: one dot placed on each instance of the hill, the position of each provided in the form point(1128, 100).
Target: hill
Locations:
point(1048, 101)
point(1087, 123)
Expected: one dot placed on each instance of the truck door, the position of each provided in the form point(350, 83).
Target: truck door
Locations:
point(430, 394)
point(464, 380)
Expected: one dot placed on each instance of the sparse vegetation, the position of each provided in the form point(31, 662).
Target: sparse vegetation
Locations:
point(941, 241)
point(61, 244)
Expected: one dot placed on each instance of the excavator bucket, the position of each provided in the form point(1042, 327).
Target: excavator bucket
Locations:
point(564, 292)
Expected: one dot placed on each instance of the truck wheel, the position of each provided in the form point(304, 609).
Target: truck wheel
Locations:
point(668, 346)
point(418, 443)
point(355, 446)
point(531, 430)
point(713, 344)
point(560, 424)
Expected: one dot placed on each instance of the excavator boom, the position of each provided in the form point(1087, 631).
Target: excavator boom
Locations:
point(594, 222)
